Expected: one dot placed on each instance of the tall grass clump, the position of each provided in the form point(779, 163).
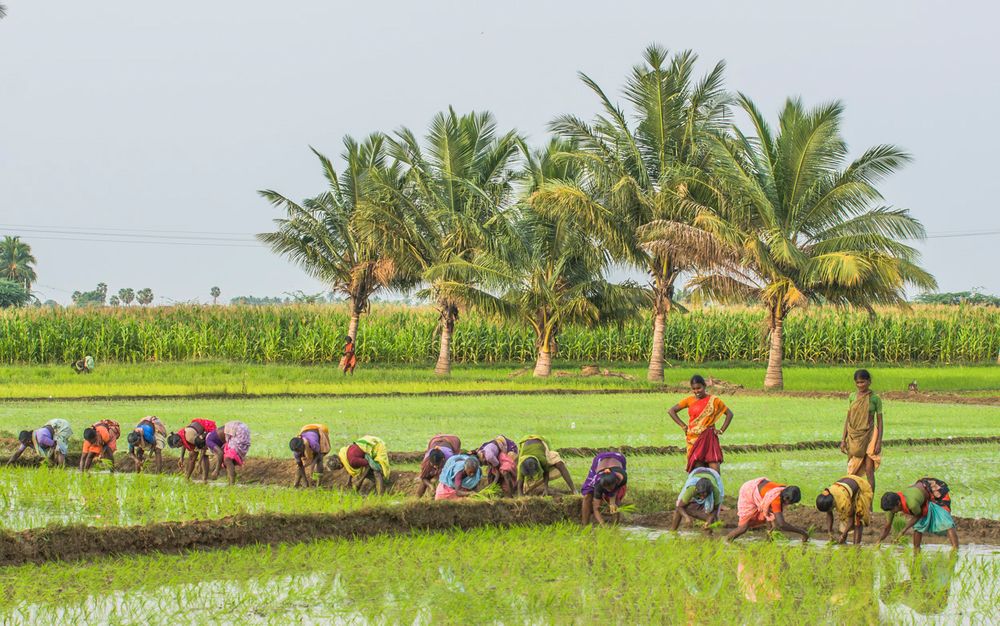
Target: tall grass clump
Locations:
point(401, 335)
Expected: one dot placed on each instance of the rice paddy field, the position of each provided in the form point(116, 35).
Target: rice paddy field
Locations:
point(123, 548)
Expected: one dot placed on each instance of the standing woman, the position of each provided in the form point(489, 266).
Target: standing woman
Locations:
point(607, 481)
point(231, 443)
point(703, 449)
point(309, 448)
point(349, 361)
point(862, 438)
point(191, 440)
point(100, 441)
point(148, 435)
point(50, 441)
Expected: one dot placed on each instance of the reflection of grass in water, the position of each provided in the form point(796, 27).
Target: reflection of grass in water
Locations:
point(545, 574)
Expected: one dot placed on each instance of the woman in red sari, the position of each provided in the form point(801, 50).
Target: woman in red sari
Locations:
point(704, 410)
point(350, 360)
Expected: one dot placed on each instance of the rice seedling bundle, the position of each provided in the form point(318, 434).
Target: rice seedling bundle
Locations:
point(396, 334)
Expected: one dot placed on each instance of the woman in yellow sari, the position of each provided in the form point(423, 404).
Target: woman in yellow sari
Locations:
point(704, 410)
point(862, 438)
point(851, 498)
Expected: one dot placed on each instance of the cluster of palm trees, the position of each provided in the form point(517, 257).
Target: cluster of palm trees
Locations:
point(668, 184)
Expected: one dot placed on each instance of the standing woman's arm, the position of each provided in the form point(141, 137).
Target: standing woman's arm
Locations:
point(878, 423)
point(729, 418)
point(672, 411)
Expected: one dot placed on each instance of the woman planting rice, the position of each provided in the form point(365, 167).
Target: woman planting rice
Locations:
point(50, 441)
point(460, 477)
point(703, 449)
point(231, 443)
point(928, 503)
point(439, 449)
point(500, 456)
point(862, 438)
point(365, 459)
point(700, 497)
point(148, 435)
point(349, 361)
point(537, 465)
point(762, 502)
point(607, 481)
point(100, 441)
point(851, 497)
point(191, 440)
point(309, 449)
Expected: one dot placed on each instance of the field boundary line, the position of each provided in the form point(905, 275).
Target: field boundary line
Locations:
point(901, 396)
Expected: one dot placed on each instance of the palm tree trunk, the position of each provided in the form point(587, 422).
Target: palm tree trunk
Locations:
point(443, 367)
point(774, 380)
point(543, 364)
point(655, 373)
point(352, 328)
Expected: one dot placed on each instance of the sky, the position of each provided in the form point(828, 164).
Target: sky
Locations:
point(134, 135)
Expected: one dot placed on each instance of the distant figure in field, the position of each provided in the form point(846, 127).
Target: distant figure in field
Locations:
point(912, 387)
point(460, 478)
point(704, 410)
point(700, 498)
point(862, 438)
point(84, 365)
point(606, 482)
point(499, 456)
point(763, 502)
point(100, 442)
point(439, 449)
point(365, 459)
point(537, 464)
point(851, 498)
point(349, 361)
point(149, 435)
point(50, 441)
point(230, 444)
point(191, 440)
point(310, 448)
point(928, 503)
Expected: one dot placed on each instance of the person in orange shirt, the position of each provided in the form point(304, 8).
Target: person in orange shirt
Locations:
point(100, 441)
point(704, 410)
point(763, 501)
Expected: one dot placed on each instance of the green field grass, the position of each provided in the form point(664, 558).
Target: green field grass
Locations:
point(558, 574)
point(406, 423)
point(224, 378)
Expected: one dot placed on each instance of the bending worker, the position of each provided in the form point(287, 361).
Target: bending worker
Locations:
point(607, 481)
point(230, 444)
point(928, 503)
point(700, 498)
point(460, 477)
point(439, 449)
point(309, 449)
point(50, 441)
point(365, 459)
point(150, 435)
point(499, 455)
point(851, 498)
point(100, 442)
point(763, 502)
point(191, 440)
point(537, 465)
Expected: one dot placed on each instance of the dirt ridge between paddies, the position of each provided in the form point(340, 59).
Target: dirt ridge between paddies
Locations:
point(79, 542)
point(931, 397)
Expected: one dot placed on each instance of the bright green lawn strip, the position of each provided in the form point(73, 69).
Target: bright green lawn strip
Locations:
point(35, 497)
point(217, 378)
point(406, 423)
point(557, 574)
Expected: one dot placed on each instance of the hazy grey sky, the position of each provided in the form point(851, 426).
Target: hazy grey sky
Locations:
point(152, 117)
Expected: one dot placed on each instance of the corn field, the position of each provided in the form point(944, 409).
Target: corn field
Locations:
point(397, 334)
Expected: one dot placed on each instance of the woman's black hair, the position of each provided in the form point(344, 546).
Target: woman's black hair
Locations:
point(791, 494)
point(863, 374)
point(824, 502)
point(24, 437)
point(530, 466)
point(296, 444)
point(890, 500)
point(349, 339)
point(89, 434)
point(703, 485)
point(334, 463)
point(698, 379)
point(436, 457)
point(174, 440)
point(133, 438)
point(607, 482)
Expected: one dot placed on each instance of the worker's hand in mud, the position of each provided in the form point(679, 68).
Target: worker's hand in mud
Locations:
point(613, 508)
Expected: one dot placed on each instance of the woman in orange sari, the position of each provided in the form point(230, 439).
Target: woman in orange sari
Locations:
point(704, 410)
point(349, 361)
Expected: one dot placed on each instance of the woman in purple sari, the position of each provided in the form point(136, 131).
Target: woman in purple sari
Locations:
point(607, 481)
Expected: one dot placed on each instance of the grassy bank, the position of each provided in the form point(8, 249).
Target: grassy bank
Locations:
point(229, 378)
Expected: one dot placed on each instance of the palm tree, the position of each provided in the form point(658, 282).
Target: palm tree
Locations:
point(635, 172)
point(809, 229)
point(144, 296)
point(321, 235)
point(449, 214)
point(3, 11)
point(126, 295)
point(216, 292)
point(17, 262)
point(558, 276)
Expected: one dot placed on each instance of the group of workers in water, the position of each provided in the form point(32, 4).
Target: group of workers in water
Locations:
point(527, 466)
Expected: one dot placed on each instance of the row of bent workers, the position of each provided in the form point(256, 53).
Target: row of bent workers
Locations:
point(518, 468)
